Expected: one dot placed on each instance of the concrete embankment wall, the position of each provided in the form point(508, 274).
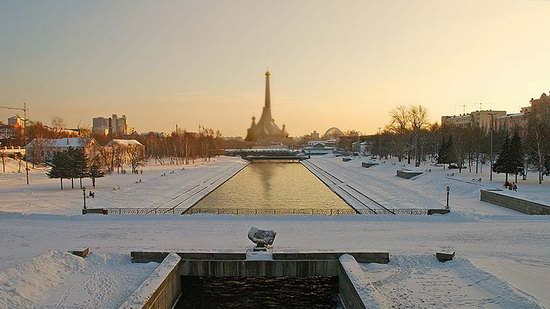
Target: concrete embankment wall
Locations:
point(161, 289)
point(355, 290)
point(518, 204)
point(303, 268)
point(362, 257)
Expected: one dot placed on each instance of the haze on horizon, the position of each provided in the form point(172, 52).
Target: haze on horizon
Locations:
point(164, 63)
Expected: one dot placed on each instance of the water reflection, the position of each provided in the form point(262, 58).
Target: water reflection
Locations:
point(273, 186)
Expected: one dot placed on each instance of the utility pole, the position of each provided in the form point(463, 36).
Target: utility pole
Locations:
point(24, 109)
point(492, 129)
point(379, 155)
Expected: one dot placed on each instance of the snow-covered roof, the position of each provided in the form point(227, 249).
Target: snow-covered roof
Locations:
point(75, 142)
point(124, 142)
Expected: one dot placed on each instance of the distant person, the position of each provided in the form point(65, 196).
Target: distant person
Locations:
point(506, 184)
point(515, 187)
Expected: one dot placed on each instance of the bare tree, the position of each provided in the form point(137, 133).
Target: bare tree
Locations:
point(3, 157)
point(417, 116)
point(538, 140)
point(136, 156)
point(400, 129)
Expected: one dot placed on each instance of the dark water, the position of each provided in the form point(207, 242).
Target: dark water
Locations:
point(259, 292)
point(273, 186)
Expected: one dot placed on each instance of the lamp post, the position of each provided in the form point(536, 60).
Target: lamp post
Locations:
point(491, 143)
point(84, 196)
point(448, 190)
point(24, 109)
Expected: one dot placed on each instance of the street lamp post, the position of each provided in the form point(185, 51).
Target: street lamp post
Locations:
point(448, 190)
point(84, 196)
point(24, 109)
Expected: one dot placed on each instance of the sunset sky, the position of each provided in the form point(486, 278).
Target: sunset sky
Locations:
point(333, 63)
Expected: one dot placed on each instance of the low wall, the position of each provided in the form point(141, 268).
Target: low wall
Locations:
point(363, 257)
point(100, 211)
point(407, 174)
point(368, 164)
point(518, 204)
point(355, 290)
point(161, 289)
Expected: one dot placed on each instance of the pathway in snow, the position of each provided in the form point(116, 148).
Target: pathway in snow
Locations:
point(355, 198)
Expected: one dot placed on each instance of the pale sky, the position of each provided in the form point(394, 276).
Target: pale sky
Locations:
point(333, 63)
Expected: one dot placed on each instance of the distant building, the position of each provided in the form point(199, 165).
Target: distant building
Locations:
point(519, 121)
point(43, 149)
point(510, 122)
point(544, 99)
point(314, 135)
point(16, 121)
point(320, 147)
point(333, 133)
point(113, 126)
point(124, 143)
point(477, 119)
point(7, 134)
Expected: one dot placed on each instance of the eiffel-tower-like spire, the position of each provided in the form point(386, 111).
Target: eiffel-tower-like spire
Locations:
point(265, 128)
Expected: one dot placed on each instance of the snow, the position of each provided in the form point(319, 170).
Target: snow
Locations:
point(124, 142)
point(142, 294)
point(62, 280)
point(75, 142)
point(423, 282)
point(491, 242)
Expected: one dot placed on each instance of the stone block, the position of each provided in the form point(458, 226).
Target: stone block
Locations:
point(81, 253)
point(445, 256)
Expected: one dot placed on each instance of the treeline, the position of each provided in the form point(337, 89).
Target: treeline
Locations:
point(73, 164)
point(410, 136)
point(182, 147)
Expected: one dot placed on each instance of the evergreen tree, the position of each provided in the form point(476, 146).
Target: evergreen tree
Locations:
point(504, 162)
point(517, 157)
point(95, 172)
point(78, 164)
point(59, 167)
point(445, 153)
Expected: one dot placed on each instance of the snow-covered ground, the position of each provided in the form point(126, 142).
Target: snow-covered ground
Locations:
point(58, 279)
point(423, 282)
point(165, 186)
point(510, 246)
point(425, 191)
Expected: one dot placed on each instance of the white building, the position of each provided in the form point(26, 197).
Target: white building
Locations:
point(43, 149)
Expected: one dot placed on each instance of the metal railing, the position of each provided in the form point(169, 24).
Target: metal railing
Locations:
point(271, 212)
point(143, 211)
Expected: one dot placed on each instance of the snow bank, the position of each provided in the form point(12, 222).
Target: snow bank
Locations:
point(62, 280)
point(422, 281)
